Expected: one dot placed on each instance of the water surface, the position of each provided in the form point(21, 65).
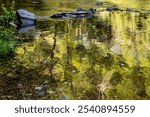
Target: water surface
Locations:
point(104, 57)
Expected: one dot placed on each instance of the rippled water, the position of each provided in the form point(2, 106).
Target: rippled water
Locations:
point(105, 57)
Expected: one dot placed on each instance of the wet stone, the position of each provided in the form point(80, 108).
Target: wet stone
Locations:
point(40, 90)
point(10, 75)
point(41, 93)
point(63, 97)
point(113, 9)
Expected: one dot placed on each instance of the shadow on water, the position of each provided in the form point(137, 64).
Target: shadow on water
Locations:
point(105, 57)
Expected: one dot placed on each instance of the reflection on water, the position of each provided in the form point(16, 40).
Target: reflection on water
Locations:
point(140, 4)
point(105, 57)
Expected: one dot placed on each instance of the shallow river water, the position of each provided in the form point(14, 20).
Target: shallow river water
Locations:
point(104, 57)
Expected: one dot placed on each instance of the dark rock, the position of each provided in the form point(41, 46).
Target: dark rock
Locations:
point(25, 18)
point(80, 47)
point(77, 14)
point(61, 15)
point(112, 9)
point(129, 9)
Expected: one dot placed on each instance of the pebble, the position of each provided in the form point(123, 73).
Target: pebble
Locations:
point(9, 74)
point(74, 71)
point(38, 88)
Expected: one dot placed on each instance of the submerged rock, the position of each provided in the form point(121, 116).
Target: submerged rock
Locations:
point(77, 14)
point(10, 75)
point(40, 90)
point(113, 9)
point(63, 97)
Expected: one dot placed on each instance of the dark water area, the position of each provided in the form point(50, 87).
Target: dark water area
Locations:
point(104, 57)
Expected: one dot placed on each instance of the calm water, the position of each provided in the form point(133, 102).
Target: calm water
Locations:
point(105, 57)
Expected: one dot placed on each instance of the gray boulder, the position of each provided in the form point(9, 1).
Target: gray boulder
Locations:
point(25, 18)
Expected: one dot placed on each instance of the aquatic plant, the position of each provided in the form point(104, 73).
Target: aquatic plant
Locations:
point(6, 42)
point(7, 35)
point(8, 14)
